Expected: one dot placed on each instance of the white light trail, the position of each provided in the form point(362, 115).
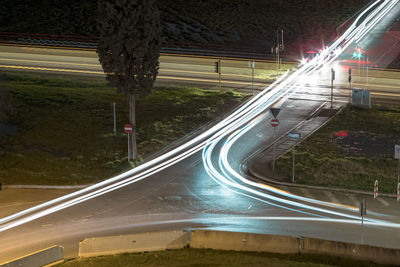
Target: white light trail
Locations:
point(240, 117)
point(228, 176)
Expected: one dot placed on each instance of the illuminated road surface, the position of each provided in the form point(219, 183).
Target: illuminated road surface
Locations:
point(200, 184)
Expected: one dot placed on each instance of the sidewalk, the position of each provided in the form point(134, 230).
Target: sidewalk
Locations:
point(259, 164)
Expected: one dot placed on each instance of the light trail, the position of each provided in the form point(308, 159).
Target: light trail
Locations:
point(209, 139)
point(231, 178)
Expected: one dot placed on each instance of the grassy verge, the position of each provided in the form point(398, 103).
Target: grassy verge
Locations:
point(354, 161)
point(64, 128)
point(208, 257)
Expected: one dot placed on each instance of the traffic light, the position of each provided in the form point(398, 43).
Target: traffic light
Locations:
point(349, 75)
point(217, 67)
point(358, 53)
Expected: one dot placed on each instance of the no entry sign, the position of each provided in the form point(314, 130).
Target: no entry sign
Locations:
point(274, 122)
point(128, 128)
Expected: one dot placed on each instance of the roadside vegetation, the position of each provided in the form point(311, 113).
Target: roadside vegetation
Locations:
point(209, 257)
point(352, 151)
point(60, 131)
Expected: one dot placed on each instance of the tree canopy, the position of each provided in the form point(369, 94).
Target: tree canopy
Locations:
point(129, 46)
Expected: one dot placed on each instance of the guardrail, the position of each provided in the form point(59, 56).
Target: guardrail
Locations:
point(90, 42)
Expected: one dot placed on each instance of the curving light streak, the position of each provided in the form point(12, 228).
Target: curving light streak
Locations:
point(228, 174)
point(239, 117)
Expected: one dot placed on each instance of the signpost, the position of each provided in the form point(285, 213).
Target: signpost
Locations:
point(332, 79)
point(363, 212)
point(398, 192)
point(349, 82)
point(376, 189)
point(218, 70)
point(274, 123)
point(252, 66)
point(115, 121)
point(293, 136)
point(128, 129)
point(397, 156)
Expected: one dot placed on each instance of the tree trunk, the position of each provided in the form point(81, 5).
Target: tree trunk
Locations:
point(132, 121)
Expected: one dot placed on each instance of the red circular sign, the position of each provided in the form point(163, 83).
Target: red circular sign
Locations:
point(274, 122)
point(128, 128)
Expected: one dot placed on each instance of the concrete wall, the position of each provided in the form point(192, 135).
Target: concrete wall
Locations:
point(243, 241)
point(291, 245)
point(349, 250)
point(150, 241)
point(39, 258)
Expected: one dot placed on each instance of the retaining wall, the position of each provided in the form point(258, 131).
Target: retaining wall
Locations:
point(244, 241)
point(150, 241)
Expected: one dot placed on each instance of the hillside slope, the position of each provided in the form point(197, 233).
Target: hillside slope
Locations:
point(243, 22)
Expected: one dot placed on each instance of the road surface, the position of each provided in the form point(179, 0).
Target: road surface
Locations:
point(199, 184)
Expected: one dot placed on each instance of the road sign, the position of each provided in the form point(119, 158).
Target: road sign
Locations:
point(252, 64)
point(294, 135)
point(274, 122)
point(397, 151)
point(275, 111)
point(128, 128)
point(398, 192)
point(376, 189)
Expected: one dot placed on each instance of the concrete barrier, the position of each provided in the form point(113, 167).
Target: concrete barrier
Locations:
point(42, 257)
point(243, 241)
point(150, 241)
point(349, 250)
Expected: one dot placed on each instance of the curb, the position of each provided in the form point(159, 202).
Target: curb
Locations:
point(273, 181)
point(46, 186)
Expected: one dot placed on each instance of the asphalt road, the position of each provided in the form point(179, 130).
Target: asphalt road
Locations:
point(204, 187)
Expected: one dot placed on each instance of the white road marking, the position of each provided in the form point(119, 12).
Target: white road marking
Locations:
point(383, 202)
point(306, 193)
point(353, 199)
point(331, 197)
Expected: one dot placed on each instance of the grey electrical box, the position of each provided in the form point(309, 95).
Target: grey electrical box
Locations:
point(361, 98)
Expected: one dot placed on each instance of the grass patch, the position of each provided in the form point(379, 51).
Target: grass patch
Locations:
point(352, 162)
point(65, 127)
point(208, 257)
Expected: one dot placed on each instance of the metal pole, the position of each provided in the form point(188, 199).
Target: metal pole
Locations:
point(277, 40)
point(362, 230)
point(367, 69)
point(332, 89)
point(252, 80)
point(129, 152)
point(398, 172)
point(283, 47)
point(115, 122)
point(273, 162)
point(293, 164)
point(219, 73)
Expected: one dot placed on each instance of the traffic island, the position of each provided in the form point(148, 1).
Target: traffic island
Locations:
point(352, 151)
